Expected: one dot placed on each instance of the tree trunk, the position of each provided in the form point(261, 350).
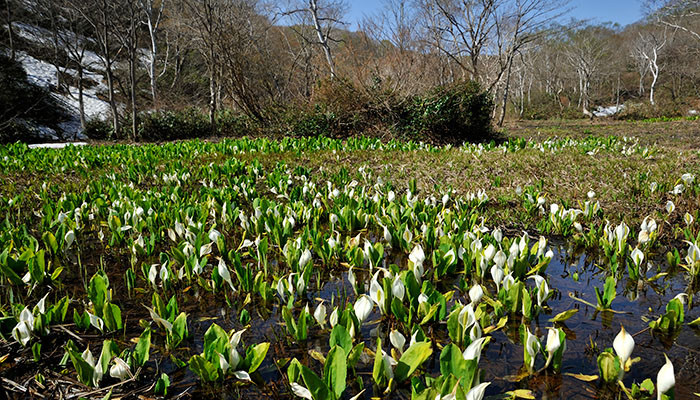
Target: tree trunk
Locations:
point(504, 103)
point(132, 93)
point(81, 100)
point(10, 31)
point(322, 38)
point(152, 66)
point(212, 92)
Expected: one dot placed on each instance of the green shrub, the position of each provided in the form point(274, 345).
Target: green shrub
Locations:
point(314, 122)
point(450, 114)
point(663, 110)
point(98, 129)
point(173, 125)
point(232, 124)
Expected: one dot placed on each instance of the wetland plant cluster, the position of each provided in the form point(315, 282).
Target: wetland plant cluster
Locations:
point(164, 270)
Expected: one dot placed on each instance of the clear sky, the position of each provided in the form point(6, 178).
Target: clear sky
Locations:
point(623, 12)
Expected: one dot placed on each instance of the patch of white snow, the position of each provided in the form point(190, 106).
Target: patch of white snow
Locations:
point(55, 145)
point(608, 111)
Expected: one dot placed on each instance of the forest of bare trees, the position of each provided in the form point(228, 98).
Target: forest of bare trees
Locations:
point(255, 58)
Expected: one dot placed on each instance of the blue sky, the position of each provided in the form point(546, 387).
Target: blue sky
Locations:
point(621, 11)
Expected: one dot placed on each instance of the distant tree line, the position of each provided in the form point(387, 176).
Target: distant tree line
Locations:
point(262, 58)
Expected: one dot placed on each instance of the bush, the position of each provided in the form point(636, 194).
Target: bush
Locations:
point(173, 125)
point(450, 114)
point(98, 129)
point(232, 124)
point(644, 111)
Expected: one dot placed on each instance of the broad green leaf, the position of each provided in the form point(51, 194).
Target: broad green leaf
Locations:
point(142, 348)
point(319, 390)
point(162, 385)
point(341, 337)
point(206, 370)
point(112, 316)
point(255, 356)
point(335, 370)
point(85, 370)
point(378, 369)
point(355, 354)
point(412, 359)
point(563, 316)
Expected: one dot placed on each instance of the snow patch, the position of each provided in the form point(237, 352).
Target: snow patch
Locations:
point(608, 111)
point(45, 75)
point(55, 145)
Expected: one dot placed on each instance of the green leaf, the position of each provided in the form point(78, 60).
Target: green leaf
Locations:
point(85, 370)
point(206, 370)
point(319, 390)
point(289, 321)
point(294, 371)
point(431, 313)
point(162, 385)
point(341, 337)
point(112, 316)
point(335, 370)
point(97, 292)
point(50, 241)
point(452, 361)
point(302, 329)
point(255, 356)
point(179, 331)
point(608, 366)
point(11, 275)
point(36, 351)
point(142, 348)
point(109, 350)
point(609, 291)
point(378, 369)
point(563, 316)
point(412, 359)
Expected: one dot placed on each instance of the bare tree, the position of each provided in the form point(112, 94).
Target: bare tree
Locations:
point(586, 51)
point(126, 30)
point(101, 18)
point(647, 48)
point(325, 16)
point(153, 11)
point(683, 15)
point(10, 32)
point(205, 24)
point(75, 47)
point(398, 56)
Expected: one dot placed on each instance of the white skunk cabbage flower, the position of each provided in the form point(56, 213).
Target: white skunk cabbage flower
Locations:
point(363, 307)
point(397, 288)
point(477, 392)
point(473, 351)
point(305, 258)
point(417, 257)
point(532, 346)
point(320, 315)
point(23, 330)
point(120, 369)
point(670, 207)
point(553, 344)
point(665, 379)
point(397, 340)
point(623, 345)
point(475, 293)
point(301, 391)
point(224, 273)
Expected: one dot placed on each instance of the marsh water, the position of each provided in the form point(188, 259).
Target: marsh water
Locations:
point(588, 332)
